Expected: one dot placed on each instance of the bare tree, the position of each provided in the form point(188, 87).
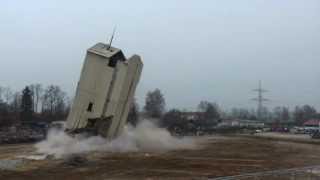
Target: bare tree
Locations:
point(48, 99)
point(7, 94)
point(202, 107)
point(37, 92)
point(285, 114)
point(281, 114)
point(210, 115)
point(265, 114)
point(210, 110)
point(155, 104)
point(1, 93)
point(53, 101)
point(301, 114)
point(174, 121)
point(26, 105)
point(32, 87)
point(16, 103)
point(240, 113)
point(6, 97)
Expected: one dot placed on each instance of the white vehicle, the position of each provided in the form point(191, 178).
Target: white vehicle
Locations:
point(258, 131)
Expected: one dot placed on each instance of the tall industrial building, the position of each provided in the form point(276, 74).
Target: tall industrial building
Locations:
point(105, 91)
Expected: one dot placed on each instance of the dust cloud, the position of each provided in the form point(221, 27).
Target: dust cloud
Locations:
point(145, 137)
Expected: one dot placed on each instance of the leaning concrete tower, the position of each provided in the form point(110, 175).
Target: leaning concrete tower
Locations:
point(104, 92)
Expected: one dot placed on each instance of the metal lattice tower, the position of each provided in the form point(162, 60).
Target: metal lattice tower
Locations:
point(260, 99)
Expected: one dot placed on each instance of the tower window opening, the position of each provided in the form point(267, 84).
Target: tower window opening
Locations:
point(90, 106)
point(112, 62)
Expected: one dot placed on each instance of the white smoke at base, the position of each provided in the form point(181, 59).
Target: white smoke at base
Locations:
point(146, 137)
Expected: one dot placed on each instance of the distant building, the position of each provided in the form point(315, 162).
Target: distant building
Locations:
point(192, 116)
point(229, 123)
point(241, 123)
point(311, 124)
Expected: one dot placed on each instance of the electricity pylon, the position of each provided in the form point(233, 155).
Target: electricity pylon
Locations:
point(260, 99)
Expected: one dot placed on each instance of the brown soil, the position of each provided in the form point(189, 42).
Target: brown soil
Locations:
point(220, 156)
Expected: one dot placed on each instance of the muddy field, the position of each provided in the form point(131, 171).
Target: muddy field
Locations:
point(215, 157)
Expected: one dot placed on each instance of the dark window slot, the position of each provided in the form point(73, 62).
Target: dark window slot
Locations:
point(112, 62)
point(90, 106)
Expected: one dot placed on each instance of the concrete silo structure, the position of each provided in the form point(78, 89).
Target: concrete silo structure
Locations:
point(104, 92)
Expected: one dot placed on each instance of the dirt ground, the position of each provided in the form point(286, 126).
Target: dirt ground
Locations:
point(215, 157)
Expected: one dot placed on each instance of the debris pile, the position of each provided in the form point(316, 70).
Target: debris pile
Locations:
point(75, 160)
point(20, 134)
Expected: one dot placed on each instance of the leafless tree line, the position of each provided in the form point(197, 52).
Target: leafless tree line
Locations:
point(155, 108)
point(49, 102)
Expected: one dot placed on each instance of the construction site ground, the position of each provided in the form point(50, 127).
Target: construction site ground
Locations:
point(215, 156)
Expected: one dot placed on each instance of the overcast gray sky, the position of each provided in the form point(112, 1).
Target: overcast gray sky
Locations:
point(215, 50)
